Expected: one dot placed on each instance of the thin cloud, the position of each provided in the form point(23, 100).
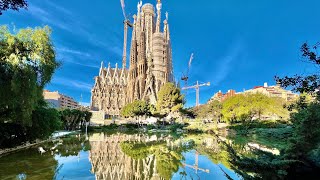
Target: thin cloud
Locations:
point(88, 62)
point(46, 17)
point(84, 103)
point(68, 55)
point(68, 23)
point(72, 51)
point(226, 63)
point(59, 8)
point(71, 83)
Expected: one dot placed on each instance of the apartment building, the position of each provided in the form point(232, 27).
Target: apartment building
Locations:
point(58, 100)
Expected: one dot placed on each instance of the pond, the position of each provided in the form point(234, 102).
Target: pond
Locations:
point(123, 156)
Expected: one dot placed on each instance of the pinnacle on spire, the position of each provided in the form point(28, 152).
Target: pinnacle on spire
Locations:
point(167, 15)
point(139, 6)
point(159, 6)
point(101, 68)
point(134, 28)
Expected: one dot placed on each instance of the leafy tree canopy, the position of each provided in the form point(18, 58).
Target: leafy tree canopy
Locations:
point(245, 107)
point(71, 118)
point(211, 110)
point(136, 108)
point(27, 63)
point(304, 84)
point(300, 159)
point(12, 4)
point(169, 99)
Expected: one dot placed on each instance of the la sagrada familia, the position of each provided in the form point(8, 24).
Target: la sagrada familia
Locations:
point(150, 64)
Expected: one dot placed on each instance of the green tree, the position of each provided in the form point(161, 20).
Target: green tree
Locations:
point(305, 84)
point(211, 110)
point(73, 118)
point(127, 111)
point(169, 99)
point(236, 109)
point(27, 64)
point(140, 108)
point(136, 108)
point(44, 122)
point(246, 107)
point(306, 121)
point(300, 159)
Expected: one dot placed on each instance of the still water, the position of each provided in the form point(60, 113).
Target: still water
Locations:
point(122, 156)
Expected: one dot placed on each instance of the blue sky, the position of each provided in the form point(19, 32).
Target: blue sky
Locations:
point(236, 44)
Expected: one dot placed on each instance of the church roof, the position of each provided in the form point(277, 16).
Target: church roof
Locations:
point(112, 76)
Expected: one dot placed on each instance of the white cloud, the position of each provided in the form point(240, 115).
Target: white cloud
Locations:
point(66, 20)
point(59, 8)
point(72, 83)
point(72, 51)
point(226, 63)
point(46, 17)
point(85, 103)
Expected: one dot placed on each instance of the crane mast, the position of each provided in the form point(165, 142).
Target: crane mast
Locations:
point(196, 164)
point(126, 23)
point(197, 88)
point(185, 77)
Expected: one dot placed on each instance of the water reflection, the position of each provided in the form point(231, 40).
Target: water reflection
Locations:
point(124, 156)
point(138, 156)
point(142, 156)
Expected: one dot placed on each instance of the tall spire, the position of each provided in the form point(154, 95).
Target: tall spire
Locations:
point(134, 28)
point(168, 30)
point(101, 68)
point(159, 6)
point(139, 10)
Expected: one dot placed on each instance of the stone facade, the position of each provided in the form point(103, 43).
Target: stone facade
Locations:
point(150, 65)
point(109, 162)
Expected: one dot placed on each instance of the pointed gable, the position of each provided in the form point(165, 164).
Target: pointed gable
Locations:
point(116, 75)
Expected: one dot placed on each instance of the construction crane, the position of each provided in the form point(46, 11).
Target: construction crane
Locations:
point(127, 24)
point(196, 165)
point(197, 87)
point(185, 76)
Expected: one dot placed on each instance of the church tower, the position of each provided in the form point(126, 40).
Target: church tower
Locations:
point(150, 65)
point(152, 54)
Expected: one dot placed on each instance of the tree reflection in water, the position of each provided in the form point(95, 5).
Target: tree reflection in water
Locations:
point(124, 156)
point(139, 156)
point(30, 164)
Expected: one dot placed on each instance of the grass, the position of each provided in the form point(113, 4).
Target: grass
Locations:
point(273, 134)
point(199, 127)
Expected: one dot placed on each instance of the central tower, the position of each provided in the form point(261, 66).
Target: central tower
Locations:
point(150, 64)
point(150, 54)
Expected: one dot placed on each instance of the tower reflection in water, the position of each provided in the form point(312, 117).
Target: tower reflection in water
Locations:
point(139, 156)
point(143, 156)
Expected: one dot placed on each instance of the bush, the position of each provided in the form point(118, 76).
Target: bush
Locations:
point(176, 126)
point(11, 135)
point(44, 122)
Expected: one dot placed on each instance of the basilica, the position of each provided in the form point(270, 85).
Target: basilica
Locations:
point(150, 64)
